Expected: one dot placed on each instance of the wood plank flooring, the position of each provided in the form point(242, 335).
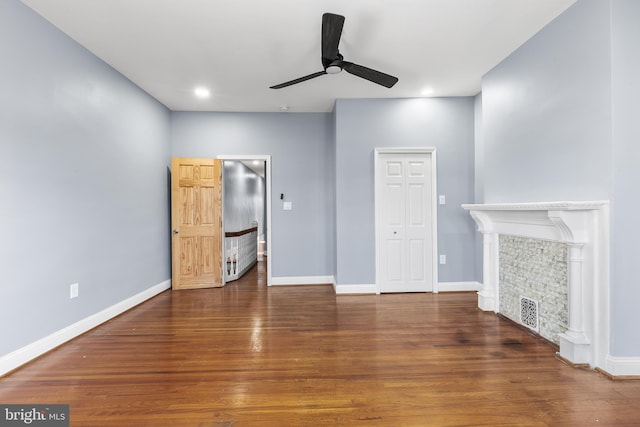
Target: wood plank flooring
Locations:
point(249, 355)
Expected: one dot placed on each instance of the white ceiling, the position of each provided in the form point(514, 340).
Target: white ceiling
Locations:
point(238, 48)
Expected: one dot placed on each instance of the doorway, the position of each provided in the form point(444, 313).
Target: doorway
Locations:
point(266, 161)
point(406, 220)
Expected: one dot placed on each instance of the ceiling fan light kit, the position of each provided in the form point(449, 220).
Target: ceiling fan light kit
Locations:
point(332, 60)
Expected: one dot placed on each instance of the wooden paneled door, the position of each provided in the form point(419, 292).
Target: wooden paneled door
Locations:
point(196, 223)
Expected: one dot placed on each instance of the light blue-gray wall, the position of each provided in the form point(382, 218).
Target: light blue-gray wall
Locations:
point(546, 113)
point(478, 177)
point(302, 239)
point(332, 160)
point(625, 294)
point(363, 125)
point(560, 122)
point(244, 198)
point(84, 158)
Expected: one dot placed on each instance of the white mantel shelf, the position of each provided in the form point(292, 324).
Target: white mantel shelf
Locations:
point(584, 227)
point(538, 206)
point(567, 222)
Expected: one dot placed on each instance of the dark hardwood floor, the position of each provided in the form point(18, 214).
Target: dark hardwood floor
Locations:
point(248, 355)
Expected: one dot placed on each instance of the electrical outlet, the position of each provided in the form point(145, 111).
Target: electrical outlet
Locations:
point(73, 291)
point(443, 259)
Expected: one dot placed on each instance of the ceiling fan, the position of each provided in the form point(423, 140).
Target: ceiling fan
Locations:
point(332, 60)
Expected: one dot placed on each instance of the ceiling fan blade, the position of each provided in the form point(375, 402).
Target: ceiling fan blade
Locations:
point(299, 80)
point(331, 32)
point(367, 73)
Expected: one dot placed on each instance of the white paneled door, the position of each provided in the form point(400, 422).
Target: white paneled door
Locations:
point(405, 221)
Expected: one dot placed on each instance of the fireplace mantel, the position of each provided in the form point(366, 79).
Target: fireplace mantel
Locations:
point(566, 222)
point(584, 227)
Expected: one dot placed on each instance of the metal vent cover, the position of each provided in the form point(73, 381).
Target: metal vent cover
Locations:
point(529, 313)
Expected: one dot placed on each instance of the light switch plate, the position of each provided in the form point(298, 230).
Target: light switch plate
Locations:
point(287, 206)
point(441, 199)
point(73, 290)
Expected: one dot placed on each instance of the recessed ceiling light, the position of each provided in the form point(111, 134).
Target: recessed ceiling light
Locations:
point(284, 108)
point(202, 92)
point(427, 91)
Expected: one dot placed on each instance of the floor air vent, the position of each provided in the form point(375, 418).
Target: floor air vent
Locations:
point(529, 313)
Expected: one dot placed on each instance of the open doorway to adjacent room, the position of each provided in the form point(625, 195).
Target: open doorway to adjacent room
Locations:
point(246, 211)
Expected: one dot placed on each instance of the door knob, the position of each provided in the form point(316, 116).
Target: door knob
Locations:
point(175, 231)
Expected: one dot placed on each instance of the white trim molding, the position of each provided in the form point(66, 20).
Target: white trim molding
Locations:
point(584, 228)
point(302, 280)
point(620, 367)
point(31, 351)
point(459, 286)
point(373, 288)
point(355, 289)
point(267, 171)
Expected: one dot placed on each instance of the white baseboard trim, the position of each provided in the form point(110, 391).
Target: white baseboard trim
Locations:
point(302, 280)
point(459, 286)
point(19, 357)
point(442, 287)
point(622, 366)
point(355, 289)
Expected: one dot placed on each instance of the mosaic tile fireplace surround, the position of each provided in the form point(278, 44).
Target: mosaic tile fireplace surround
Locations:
point(537, 271)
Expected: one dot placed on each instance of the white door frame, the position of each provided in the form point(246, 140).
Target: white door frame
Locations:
point(267, 173)
point(434, 207)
